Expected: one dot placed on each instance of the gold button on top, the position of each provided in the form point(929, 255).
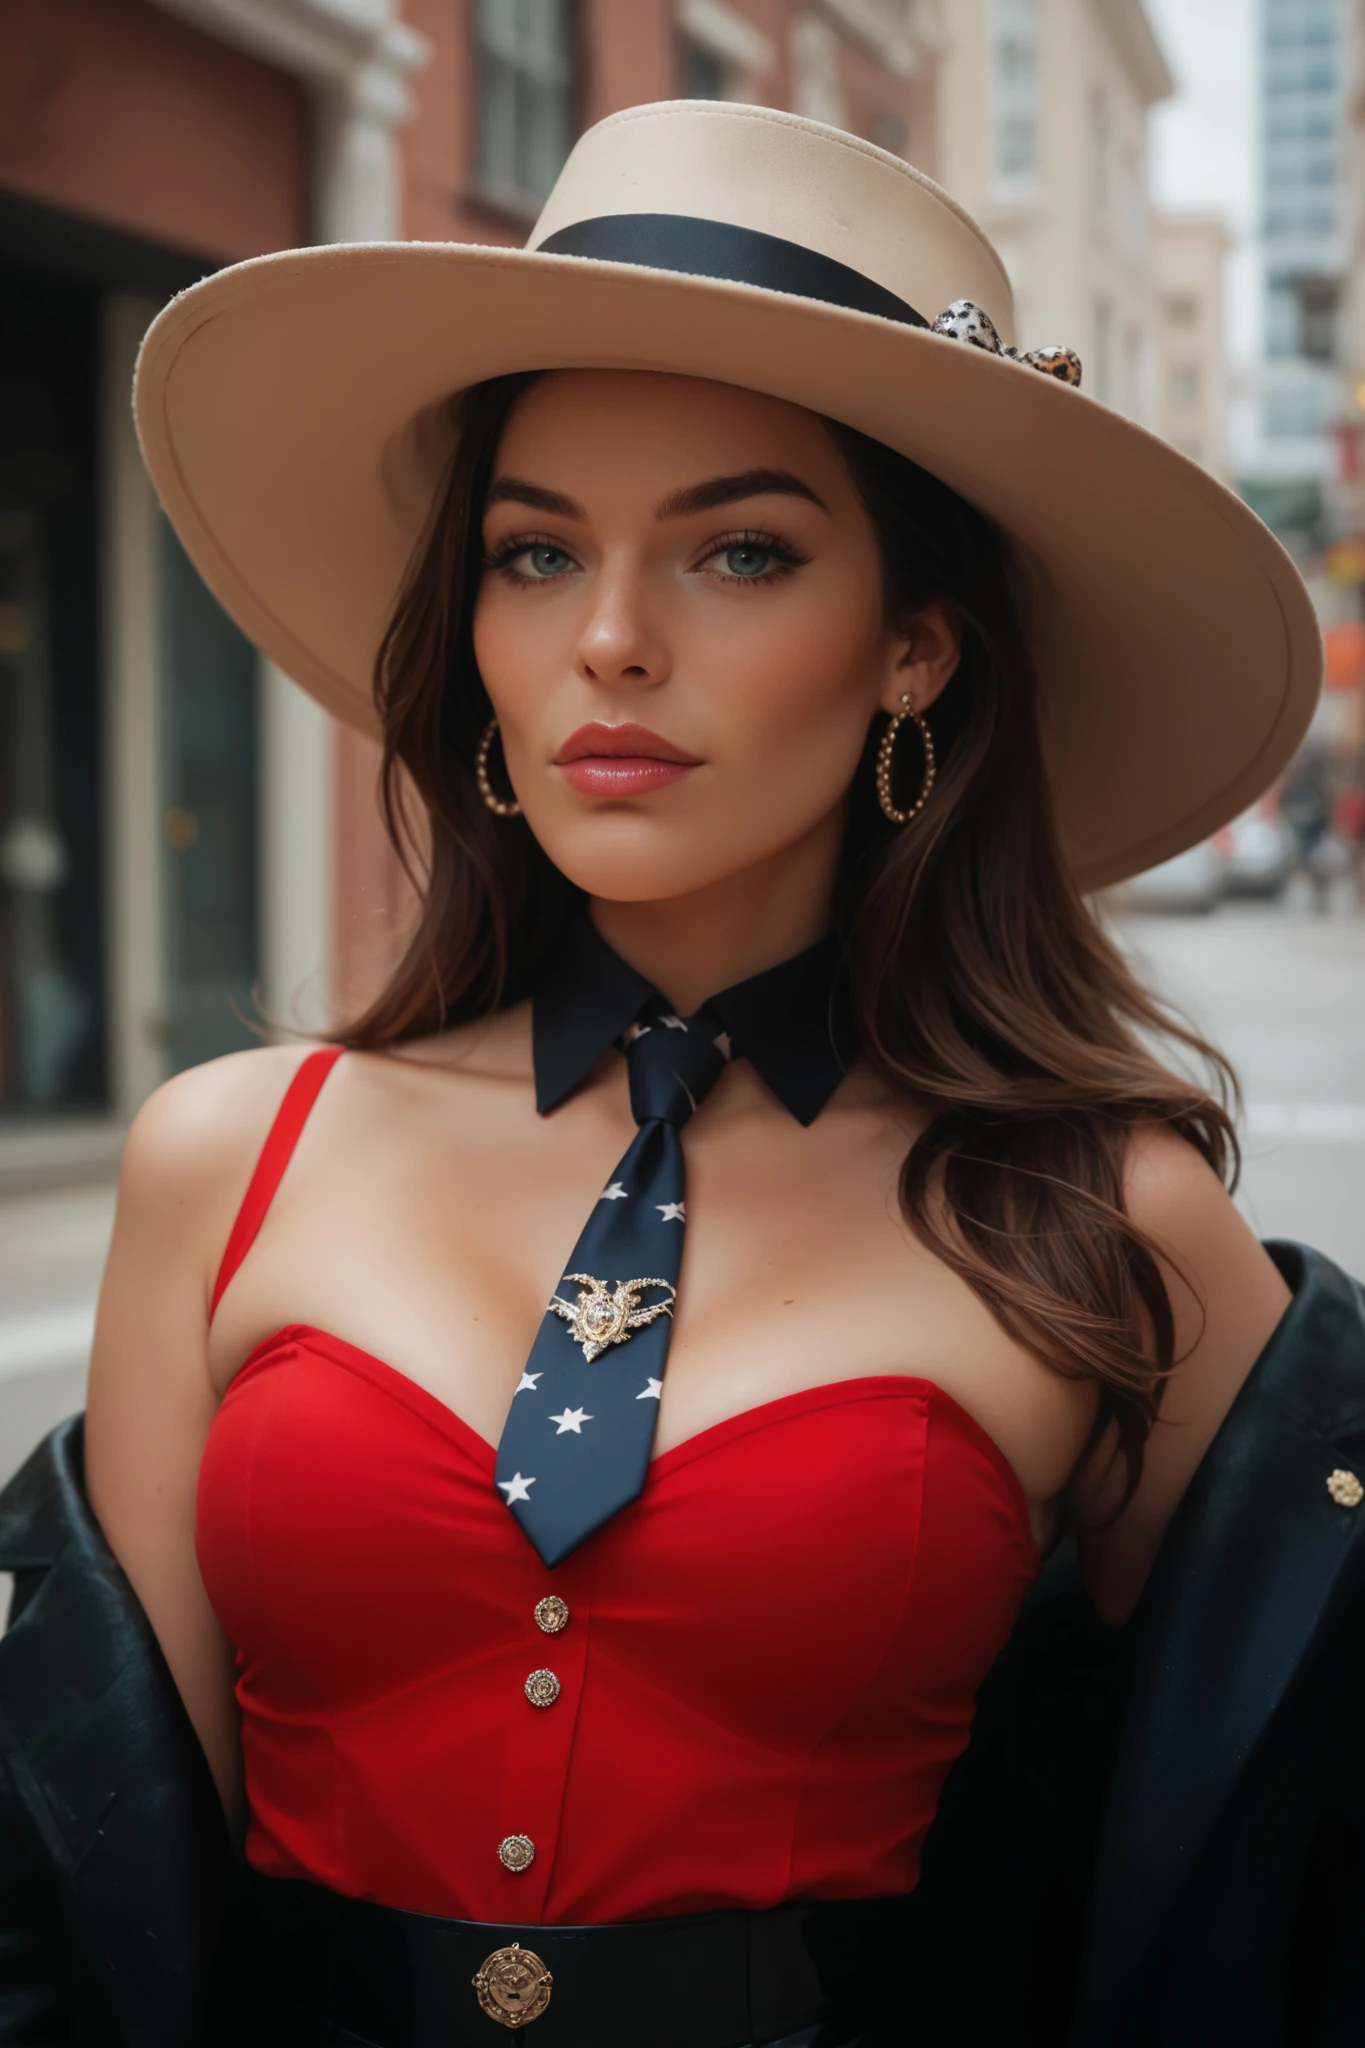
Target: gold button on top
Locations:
point(516, 1852)
point(542, 1688)
point(552, 1614)
point(1345, 1489)
point(513, 1985)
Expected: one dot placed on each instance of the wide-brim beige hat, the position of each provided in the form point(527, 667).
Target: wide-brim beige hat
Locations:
point(291, 415)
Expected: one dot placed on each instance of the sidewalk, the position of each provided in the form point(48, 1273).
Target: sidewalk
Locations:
point(52, 1248)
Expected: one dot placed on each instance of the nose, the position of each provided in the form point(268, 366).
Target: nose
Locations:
point(622, 639)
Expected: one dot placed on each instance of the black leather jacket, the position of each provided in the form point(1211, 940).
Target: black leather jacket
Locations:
point(1153, 1840)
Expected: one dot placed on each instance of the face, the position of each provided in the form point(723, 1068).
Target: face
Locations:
point(682, 631)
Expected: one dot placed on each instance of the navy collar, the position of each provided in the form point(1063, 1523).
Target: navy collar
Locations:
point(793, 1023)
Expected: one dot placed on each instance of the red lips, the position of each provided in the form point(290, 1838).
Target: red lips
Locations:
point(621, 760)
point(620, 742)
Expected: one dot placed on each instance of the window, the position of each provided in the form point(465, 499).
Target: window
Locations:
point(1315, 75)
point(1301, 216)
point(1300, 34)
point(209, 826)
point(1299, 165)
point(1318, 299)
point(1313, 123)
point(1185, 385)
point(1104, 343)
point(51, 877)
point(1297, 411)
point(889, 132)
point(1135, 374)
point(1181, 309)
point(1132, 203)
point(704, 75)
point(1100, 177)
point(1014, 84)
point(1281, 319)
point(525, 73)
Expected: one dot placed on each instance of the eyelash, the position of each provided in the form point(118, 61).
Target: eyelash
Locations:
point(502, 558)
point(786, 557)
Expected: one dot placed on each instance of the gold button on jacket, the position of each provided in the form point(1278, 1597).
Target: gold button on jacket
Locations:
point(1345, 1488)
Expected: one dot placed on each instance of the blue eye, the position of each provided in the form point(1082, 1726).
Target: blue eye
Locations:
point(543, 562)
point(747, 559)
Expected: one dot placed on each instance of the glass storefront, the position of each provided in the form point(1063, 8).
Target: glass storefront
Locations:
point(51, 970)
point(209, 838)
point(200, 918)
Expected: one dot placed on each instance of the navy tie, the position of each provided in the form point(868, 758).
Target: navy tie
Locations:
point(578, 1437)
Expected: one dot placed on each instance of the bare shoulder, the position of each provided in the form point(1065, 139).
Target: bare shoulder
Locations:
point(193, 1144)
point(1208, 1251)
point(199, 1122)
point(1226, 1298)
point(186, 1165)
point(208, 1105)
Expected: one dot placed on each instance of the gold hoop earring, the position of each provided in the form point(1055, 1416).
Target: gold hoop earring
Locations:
point(500, 806)
point(884, 753)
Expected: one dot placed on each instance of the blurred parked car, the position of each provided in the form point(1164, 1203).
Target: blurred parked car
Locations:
point(1260, 853)
point(1195, 880)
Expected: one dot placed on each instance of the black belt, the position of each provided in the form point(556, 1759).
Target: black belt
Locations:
point(310, 1966)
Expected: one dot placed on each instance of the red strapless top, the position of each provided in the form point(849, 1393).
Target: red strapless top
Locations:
point(769, 1664)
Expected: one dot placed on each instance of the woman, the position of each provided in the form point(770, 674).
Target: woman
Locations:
point(750, 1229)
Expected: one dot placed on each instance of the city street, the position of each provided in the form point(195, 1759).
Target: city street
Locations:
point(1281, 990)
point(1283, 993)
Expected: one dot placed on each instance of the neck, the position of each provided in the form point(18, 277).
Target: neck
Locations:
point(690, 947)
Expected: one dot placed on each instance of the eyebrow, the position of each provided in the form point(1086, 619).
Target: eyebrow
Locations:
point(726, 490)
point(514, 490)
point(706, 496)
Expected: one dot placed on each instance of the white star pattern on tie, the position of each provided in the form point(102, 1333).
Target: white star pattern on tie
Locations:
point(527, 1383)
point(572, 1418)
point(592, 1398)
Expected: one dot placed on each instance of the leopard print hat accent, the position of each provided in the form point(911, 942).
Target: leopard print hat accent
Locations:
point(965, 321)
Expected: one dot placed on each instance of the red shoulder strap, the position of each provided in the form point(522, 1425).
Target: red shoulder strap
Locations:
point(276, 1153)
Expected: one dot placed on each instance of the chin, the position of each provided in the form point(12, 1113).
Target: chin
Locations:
point(628, 860)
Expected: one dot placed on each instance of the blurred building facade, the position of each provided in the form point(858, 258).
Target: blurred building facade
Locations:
point(165, 801)
point(1189, 255)
point(1044, 125)
point(179, 827)
point(1291, 459)
point(1349, 508)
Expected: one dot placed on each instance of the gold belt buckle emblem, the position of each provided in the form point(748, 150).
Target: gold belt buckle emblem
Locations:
point(513, 1985)
point(600, 1317)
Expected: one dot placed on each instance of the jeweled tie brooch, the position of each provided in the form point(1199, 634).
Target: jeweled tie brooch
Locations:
point(601, 1317)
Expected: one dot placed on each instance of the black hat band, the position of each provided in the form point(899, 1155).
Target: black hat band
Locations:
point(719, 249)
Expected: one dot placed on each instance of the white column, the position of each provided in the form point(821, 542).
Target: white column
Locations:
point(356, 58)
point(356, 158)
point(296, 843)
point(129, 557)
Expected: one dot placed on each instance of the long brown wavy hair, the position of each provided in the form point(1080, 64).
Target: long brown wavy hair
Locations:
point(987, 992)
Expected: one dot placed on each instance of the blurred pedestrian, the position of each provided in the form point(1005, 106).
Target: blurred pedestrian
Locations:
point(1308, 814)
point(1349, 823)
